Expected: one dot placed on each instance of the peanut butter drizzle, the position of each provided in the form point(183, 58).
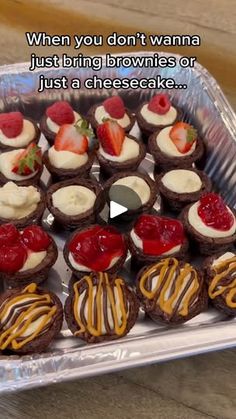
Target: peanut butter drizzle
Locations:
point(166, 269)
point(222, 270)
point(95, 316)
point(20, 325)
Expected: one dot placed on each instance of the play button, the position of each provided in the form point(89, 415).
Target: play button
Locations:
point(116, 209)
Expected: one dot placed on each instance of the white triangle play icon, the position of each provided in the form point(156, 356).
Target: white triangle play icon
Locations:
point(116, 209)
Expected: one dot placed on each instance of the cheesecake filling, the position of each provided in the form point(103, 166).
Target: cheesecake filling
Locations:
point(157, 119)
point(73, 200)
point(167, 146)
point(66, 159)
point(17, 202)
point(182, 181)
point(23, 139)
point(101, 113)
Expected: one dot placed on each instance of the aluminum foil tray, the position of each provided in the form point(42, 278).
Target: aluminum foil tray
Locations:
point(68, 357)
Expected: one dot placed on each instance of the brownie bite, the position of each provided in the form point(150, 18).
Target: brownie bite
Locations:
point(17, 131)
point(171, 291)
point(101, 308)
point(32, 328)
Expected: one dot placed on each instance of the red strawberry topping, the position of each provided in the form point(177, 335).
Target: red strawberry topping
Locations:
point(11, 124)
point(183, 136)
point(61, 113)
point(159, 234)
point(12, 257)
point(8, 234)
point(35, 238)
point(214, 213)
point(73, 138)
point(28, 161)
point(115, 107)
point(111, 136)
point(159, 104)
point(96, 247)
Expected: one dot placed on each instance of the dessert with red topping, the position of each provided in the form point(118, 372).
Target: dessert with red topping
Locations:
point(210, 223)
point(95, 248)
point(112, 108)
point(117, 150)
point(181, 187)
point(154, 237)
point(17, 131)
point(157, 114)
point(75, 202)
point(25, 254)
point(58, 114)
point(23, 166)
point(72, 153)
point(176, 146)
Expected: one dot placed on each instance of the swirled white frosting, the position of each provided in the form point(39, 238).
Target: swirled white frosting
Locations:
point(182, 181)
point(101, 113)
point(156, 119)
point(74, 199)
point(17, 202)
point(64, 159)
point(167, 146)
point(23, 139)
point(130, 150)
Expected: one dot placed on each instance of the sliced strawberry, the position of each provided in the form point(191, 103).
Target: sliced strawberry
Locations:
point(11, 124)
point(183, 136)
point(115, 107)
point(159, 104)
point(111, 136)
point(73, 138)
point(61, 113)
point(28, 161)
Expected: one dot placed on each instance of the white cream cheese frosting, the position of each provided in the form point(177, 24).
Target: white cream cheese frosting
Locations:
point(7, 160)
point(130, 150)
point(84, 268)
point(33, 260)
point(196, 222)
point(23, 139)
point(101, 113)
point(17, 202)
point(167, 146)
point(139, 244)
point(182, 181)
point(64, 159)
point(74, 199)
point(54, 127)
point(222, 258)
point(138, 185)
point(156, 119)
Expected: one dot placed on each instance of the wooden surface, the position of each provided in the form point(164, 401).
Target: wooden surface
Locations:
point(199, 387)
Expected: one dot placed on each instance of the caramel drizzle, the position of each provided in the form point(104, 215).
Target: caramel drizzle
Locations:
point(97, 312)
point(29, 311)
point(170, 277)
point(225, 269)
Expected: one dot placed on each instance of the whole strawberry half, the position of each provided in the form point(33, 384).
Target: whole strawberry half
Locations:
point(115, 107)
point(111, 136)
point(73, 138)
point(159, 104)
point(183, 136)
point(28, 161)
point(11, 124)
point(61, 113)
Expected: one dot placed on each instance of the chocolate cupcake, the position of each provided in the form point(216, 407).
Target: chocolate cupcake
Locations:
point(22, 166)
point(210, 223)
point(118, 151)
point(112, 308)
point(25, 254)
point(32, 328)
point(111, 108)
point(154, 237)
point(95, 248)
point(56, 115)
point(157, 114)
point(176, 146)
point(17, 131)
point(171, 291)
point(74, 203)
point(180, 187)
point(221, 278)
point(21, 205)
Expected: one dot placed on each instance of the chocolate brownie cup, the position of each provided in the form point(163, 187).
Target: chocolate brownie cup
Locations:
point(95, 248)
point(118, 151)
point(22, 166)
point(56, 115)
point(154, 237)
point(177, 146)
point(171, 291)
point(21, 205)
point(181, 187)
point(74, 203)
point(157, 114)
point(111, 108)
point(221, 278)
point(17, 131)
point(25, 254)
point(210, 223)
point(32, 328)
point(112, 308)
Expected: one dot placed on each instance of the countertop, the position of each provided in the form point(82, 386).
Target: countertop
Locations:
point(199, 387)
